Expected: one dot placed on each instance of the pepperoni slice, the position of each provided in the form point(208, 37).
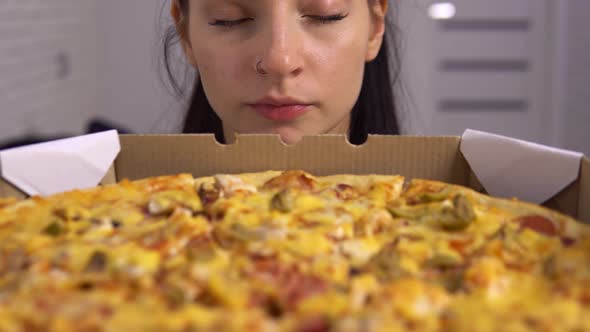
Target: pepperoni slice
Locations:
point(538, 224)
point(316, 324)
point(297, 287)
point(293, 286)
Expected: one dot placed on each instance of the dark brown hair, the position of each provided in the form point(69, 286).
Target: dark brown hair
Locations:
point(375, 112)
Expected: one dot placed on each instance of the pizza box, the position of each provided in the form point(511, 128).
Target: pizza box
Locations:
point(501, 166)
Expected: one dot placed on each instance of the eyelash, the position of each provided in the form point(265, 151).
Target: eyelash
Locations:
point(229, 24)
point(320, 19)
point(328, 19)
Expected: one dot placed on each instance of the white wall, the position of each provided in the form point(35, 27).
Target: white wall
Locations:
point(556, 84)
point(64, 61)
point(577, 87)
point(47, 66)
point(487, 73)
point(130, 92)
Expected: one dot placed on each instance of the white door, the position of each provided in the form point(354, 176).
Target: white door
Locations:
point(486, 68)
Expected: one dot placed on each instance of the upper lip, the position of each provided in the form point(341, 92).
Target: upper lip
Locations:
point(279, 101)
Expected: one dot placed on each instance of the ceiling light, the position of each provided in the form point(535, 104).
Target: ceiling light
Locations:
point(442, 11)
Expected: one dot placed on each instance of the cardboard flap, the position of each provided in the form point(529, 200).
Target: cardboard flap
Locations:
point(201, 155)
point(63, 165)
point(508, 167)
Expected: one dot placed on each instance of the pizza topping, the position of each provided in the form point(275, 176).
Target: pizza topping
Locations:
point(292, 179)
point(230, 236)
point(385, 265)
point(463, 208)
point(434, 196)
point(453, 215)
point(209, 193)
point(283, 201)
point(201, 248)
point(327, 217)
point(104, 223)
point(273, 308)
point(54, 229)
point(446, 259)
point(165, 202)
point(16, 260)
point(538, 224)
point(399, 210)
point(246, 234)
point(296, 287)
point(97, 262)
point(458, 216)
point(5, 202)
point(359, 251)
point(174, 295)
point(293, 286)
point(316, 324)
point(231, 184)
point(346, 192)
point(567, 241)
point(550, 267)
point(71, 212)
point(452, 279)
point(375, 222)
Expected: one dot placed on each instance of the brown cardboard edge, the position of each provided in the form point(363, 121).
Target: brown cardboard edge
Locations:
point(566, 201)
point(584, 194)
point(7, 190)
point(110, 177)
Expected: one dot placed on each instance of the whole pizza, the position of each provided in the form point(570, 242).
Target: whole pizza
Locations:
point(288, 251)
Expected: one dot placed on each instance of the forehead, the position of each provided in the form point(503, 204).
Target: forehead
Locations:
point(270, 3)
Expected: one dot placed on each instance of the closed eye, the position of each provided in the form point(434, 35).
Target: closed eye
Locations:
point(229, 23)
point(327, 19)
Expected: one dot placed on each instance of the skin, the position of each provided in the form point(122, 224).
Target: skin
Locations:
point(306, 57)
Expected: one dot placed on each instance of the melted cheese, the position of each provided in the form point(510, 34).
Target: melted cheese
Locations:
point(151, 256)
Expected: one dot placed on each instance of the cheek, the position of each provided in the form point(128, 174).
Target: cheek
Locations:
point(216, 63)
point(341, 65)
point(219, 74)
point(211, 65)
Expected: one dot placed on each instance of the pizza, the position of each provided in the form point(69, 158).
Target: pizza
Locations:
point(289, 251)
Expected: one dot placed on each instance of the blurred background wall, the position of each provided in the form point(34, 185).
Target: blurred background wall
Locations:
point(48, 73)
point(514, 67)
point(130, 91)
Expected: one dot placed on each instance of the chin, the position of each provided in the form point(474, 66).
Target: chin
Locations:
point(289, 136)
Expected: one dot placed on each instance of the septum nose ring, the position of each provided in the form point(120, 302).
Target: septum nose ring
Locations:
point(259, 70)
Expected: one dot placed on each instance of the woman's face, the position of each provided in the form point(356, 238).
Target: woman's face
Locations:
point(287, 67)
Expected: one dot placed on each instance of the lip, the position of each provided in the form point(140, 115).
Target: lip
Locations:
point(280, 109)
point(282, 112)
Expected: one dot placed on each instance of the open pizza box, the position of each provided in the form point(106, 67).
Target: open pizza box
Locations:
point(501, 166)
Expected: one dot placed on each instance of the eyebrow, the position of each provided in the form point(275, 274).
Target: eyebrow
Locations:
point(325, 4)
point(209, 4)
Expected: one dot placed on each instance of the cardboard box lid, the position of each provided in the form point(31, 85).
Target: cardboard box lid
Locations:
point(437, 158)
point(431, 157)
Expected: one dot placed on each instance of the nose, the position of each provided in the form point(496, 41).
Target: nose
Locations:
point(281, 49)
